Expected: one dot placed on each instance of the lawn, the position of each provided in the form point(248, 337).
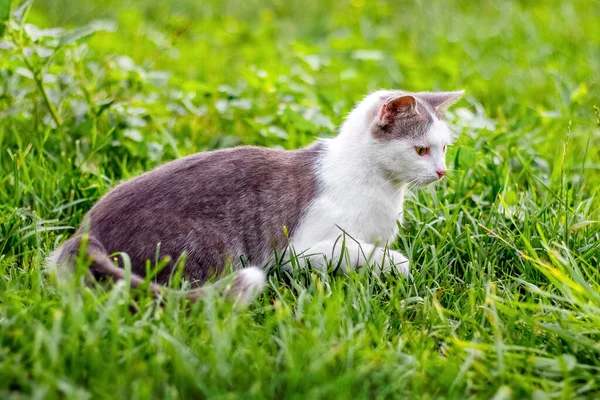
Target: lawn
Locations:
point(504, 301)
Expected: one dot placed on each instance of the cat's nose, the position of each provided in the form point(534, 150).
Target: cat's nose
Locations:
point(441, 172)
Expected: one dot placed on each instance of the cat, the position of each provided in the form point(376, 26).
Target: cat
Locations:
point(336, 201)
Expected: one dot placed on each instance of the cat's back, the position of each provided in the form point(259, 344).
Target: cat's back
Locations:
point(234, 172)
point(229, 201)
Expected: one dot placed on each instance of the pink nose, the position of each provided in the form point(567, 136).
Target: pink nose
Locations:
point(441, 172)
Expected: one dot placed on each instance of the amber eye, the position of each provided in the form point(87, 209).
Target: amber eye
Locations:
point(421, 150)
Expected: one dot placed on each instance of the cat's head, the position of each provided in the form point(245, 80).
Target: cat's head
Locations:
point(407, 135)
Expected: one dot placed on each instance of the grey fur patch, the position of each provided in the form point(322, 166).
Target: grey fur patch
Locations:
point(212, 206)
point(404, 125)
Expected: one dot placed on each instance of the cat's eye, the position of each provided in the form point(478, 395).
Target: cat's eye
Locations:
point(421, 150)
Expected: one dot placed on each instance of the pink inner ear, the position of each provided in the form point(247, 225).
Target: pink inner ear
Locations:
point(382, 112)
point(404, 105)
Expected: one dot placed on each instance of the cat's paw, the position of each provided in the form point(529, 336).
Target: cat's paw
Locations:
point(394, 260)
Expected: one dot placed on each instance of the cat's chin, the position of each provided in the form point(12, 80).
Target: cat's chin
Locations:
point(427, 182)
point(420, 183)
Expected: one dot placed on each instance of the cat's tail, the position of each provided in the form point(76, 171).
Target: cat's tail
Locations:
point(241, 286)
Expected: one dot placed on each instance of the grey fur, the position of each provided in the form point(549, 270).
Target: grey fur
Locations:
point(405, 120)
point(440, 101)
point(213, 206)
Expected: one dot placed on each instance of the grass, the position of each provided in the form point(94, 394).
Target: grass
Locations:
point(505, 298)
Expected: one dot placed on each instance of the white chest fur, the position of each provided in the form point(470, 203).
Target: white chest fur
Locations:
point(353, 198)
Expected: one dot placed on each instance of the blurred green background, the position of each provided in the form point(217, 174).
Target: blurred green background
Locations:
point(508, 54)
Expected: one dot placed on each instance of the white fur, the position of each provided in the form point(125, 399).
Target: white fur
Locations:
point(250, 282)
point(363, 183)
point(52, 260)
point(62, 272)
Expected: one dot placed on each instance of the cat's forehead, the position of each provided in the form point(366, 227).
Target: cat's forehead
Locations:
point(438, 134)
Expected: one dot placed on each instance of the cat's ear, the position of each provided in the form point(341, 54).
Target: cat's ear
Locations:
point(400, 106)
point(441, 101)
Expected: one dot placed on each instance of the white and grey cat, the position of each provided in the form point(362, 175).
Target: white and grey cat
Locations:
point(250, 202)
